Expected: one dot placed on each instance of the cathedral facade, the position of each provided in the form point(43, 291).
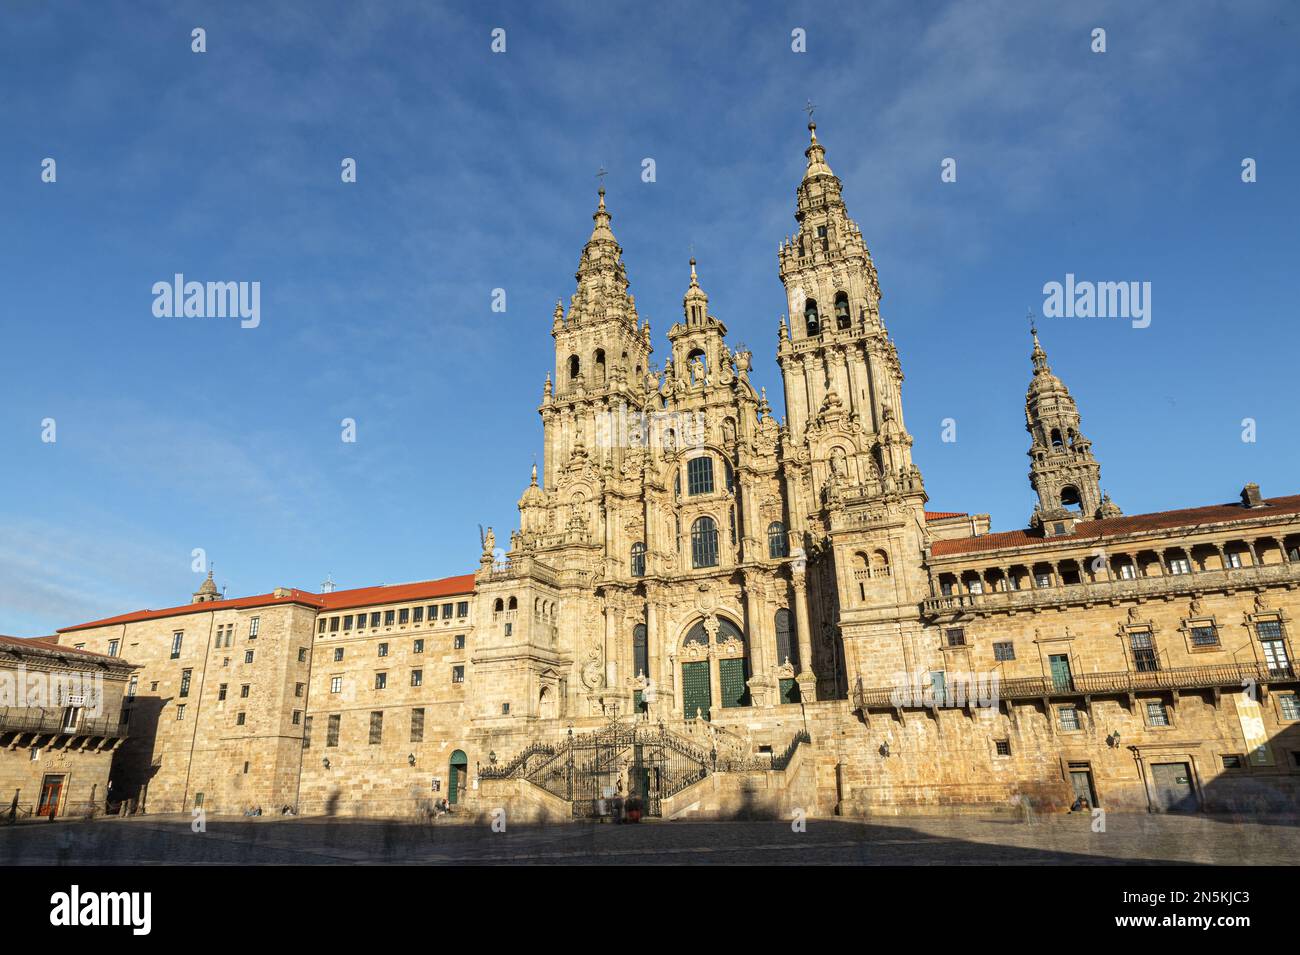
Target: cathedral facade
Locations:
point(720, 612)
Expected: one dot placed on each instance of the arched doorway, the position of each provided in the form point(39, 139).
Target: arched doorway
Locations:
point(546, 704)
point(715, 667)
point(457, 776)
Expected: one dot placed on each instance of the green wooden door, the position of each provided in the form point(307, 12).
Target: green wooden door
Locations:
point(731, 675)
point(789, 690)
point(1061, 672)
point(695, 689)
point(457, 776)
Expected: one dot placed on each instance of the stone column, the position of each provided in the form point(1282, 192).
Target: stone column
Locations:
point(761, 653)
point(807, 679)
point(611, 668)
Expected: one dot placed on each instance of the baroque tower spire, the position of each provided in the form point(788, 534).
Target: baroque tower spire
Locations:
point(1062, 468)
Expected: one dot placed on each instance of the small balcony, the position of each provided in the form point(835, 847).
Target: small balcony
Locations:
point(55, 722)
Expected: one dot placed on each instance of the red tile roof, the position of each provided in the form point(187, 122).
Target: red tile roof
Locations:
point(51, 645)
point(422, 590)
point(1117, 526)
point(941, 515)
point(358, 597)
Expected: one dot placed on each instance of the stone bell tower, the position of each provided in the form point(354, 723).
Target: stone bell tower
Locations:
point(856, 499)
point(602, 354)
point(1062, 468)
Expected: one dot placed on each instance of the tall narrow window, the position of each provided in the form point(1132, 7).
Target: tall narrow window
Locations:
point(699, 475)
point(704, 543)
point(638, 559)
point(640, 657)
point(376, 726)
point(842, 310)
point(177, 638)
point(787, 649)
point(776, 543)
point(811, 321)
point(417, 725)
point(332, 730)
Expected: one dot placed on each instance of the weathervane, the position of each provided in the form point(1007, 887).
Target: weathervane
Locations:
point(1033, 329)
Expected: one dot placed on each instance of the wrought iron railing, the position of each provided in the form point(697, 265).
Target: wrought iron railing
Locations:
point(1088, 684)
point(28, 720)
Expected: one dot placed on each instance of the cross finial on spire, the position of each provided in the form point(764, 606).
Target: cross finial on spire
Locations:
point(809, 108)
point(601, 173)
point(1033, 324)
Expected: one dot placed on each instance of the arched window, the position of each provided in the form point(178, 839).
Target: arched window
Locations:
point(600, 365)
point(729, 475)
point(575, 367)
point(810, 318)
point(499, 606)
point(638, 559)
point(842, 320)
point(704, 543)
point(879, 564)
point(699, 475)
point(787, 647)
point(777, 546)
point(640, 658)
point(1070, 496)
point(512, 604)
point(1056, 439)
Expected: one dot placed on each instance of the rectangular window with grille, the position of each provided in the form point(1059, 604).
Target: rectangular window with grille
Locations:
point(404, 616)
point(389, 617)
point(1290, 704)
point(446, 611)
point(417, 615)
point(956, 637)
point(462, 609)
point(1205, 636)
point(1069, 718)
point(417, 725)
point(332, 731)
point(699, 475)
point(347, 622)
point(1157, 715)
point(185, 682)
point(374, 619)
point(1144, 652)
point(1005, 650)
point(1269, 629)
point(334, 624)
point(376, 727)
point(1003, 747)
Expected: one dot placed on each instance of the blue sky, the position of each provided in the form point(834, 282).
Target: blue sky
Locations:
point(477, 171)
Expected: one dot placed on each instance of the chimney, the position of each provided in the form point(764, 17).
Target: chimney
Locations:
point(1250, 496)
